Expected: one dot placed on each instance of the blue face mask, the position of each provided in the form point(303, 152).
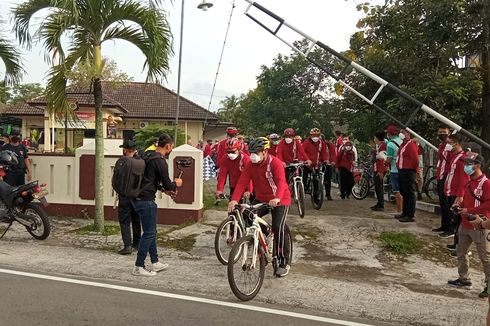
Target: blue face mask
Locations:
point(469, 169)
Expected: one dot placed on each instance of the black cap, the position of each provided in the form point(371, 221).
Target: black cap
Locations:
point(128, 144)
point(474, 158)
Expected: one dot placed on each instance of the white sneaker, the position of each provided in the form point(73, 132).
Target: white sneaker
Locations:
point(141, 271)
point(158, 266)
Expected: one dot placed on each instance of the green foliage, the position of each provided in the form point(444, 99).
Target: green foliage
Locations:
point(111, 229)
point(80, 77)
point(20, 93)
point(12, 60)
point(146, 136)
point(401, 242)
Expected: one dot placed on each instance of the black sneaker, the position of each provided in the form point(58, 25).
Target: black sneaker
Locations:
point(446, 234)
point(419, 196)
point(438, 230)
point(483, 294)
point(460, 283)
point(451, 246)
point(407, 220)
point(378, 209)
point(398, 216)
point(282, 271)
point(125, 251)
point(329, 198)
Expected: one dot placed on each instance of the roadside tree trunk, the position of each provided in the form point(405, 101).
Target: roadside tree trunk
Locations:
point(99, 146)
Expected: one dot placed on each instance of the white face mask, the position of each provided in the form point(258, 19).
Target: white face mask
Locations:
point(288, 140)
point(402, 136)
point(232, 156)
point(448, 147)
point(255, 158)
point(315, 139)
point(275, 142)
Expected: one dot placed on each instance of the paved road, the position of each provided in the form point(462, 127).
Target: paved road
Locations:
point(35, 299)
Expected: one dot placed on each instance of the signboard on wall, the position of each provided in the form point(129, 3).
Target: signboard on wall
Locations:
point(86, 120)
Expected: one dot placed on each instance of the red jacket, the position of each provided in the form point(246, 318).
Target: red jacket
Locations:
point(221, 151)
point(380, 164)
point(338, 143)
point(268, 179)
point(456, 178)
point(345, 158)
point(443, 161)
point(408, 156)
point(331, 153)
point(273, 150)
point(291, 152)
point(480, 187)
point(207, 150)
point(234, 169)
point(316, 152)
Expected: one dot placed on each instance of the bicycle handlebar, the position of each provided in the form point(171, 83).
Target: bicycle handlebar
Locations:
point(295, 164)
point(250, 206)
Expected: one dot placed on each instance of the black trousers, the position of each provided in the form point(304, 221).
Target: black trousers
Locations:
point(327, 180)
point(15, 178)
point(379, 190)
point(281, 240)
point(408, 189)
point(127, 218)
point(445, 204)
point(346, 179)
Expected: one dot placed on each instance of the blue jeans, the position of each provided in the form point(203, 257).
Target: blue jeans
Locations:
point(147, 211)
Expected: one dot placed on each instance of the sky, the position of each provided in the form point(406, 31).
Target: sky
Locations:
point(249, 46)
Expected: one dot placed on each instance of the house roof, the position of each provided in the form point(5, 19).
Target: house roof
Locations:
point(135, 100)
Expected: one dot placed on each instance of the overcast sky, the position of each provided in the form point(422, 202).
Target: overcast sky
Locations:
point(248, 46)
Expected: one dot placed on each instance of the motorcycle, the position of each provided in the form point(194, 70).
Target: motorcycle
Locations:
point(16, 205)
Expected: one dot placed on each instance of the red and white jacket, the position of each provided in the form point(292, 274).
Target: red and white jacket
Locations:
point(443, 161)
point(316, 152)
point(380, 163)
point(480, 187)
point(273, 150)
point(345, 159)
point(408, 156)
point(291, 152)
point(269, 181)
point(456, 178)
point(232, 168)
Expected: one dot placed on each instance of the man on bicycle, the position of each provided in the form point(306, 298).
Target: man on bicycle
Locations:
point(231, 132)
point(274, 139)
point(290, 150)
point(232, 166)
point(316, 151)
point(270, 186)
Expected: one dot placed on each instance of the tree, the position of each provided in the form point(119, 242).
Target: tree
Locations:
point(80, 77)
point(11, 58)
point(91, 23)
point(144, 137)
point(229, 107)
point(20, 93)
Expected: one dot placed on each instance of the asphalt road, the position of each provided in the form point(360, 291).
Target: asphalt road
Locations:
point(44, 300)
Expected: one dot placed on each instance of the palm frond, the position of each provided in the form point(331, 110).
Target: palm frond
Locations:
point(13, 63)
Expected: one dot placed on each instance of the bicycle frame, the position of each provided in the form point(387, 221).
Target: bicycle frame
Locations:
point(296, 177)
point(259, 238)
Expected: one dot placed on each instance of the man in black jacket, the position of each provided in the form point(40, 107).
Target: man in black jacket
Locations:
point(156, 178)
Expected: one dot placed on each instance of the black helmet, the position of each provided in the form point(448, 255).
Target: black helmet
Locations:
point(8, 158)
point(258, 144)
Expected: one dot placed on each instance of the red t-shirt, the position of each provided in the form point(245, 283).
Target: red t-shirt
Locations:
point(480, 187)
point(408, 156)
point(316, 152)
point(456, 178)
point(291, 152)
point(380, 164)
point(232, 168)
point(339, 142)
point(345, 158)
point(207, 150)
point(268, 179)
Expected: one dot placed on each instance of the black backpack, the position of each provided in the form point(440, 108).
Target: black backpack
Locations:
point(128, 176)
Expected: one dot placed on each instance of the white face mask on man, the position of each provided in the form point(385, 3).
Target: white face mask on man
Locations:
point(402, 136)
point(315, 139)
point(449, 147)
point(255, 158)
point(288, 140)
point(232, 156)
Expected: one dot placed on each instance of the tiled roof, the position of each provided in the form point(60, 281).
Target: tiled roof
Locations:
point(137, 100)
point(148, 100)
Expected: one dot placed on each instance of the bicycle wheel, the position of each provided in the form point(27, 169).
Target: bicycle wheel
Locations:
point(430, 188)
point(301, 198)
point(361, 188)
point(316, 193)
point(244, 276)
point(225, 238)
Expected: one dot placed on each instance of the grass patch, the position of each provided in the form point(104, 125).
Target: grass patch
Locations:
point(182, 244)
point(308, 232)
point(402, 243)
point(111, 229)
point(210, 203)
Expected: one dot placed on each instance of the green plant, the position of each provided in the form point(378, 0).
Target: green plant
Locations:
point(401, 242)
point(145, 137)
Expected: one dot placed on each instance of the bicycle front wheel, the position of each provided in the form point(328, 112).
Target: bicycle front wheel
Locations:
point(226, 236)
point(430, 188)
point(246, 274)
point(300, 190)
point(316, 193)
point(361, 188)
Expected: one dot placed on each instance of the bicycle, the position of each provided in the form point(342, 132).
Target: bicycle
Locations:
point(230, 230)
point(363, 180)
point(430, 184)
point(251, 253)
point(296, 186)
point(315, 186)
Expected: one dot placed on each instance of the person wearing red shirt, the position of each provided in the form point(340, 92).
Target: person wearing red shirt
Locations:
point(232, 166)
point(476, 200)
point(455, 182)
point(328, 167)
point(244, 144)
point(379, 171)
point(407, 163)
point(291, 150)
point(208, 148)
point(231, 132)
point(346, 158)
point(444, 157)
point(274, 140)
point(270, 186)
point(339, 141)
point(315, 150)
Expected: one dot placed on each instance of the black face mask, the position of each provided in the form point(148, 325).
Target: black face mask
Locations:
point(15, 139)
point(442, 137)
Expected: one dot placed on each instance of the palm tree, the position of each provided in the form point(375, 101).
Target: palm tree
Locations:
point(10, 57)
point(91, 23)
